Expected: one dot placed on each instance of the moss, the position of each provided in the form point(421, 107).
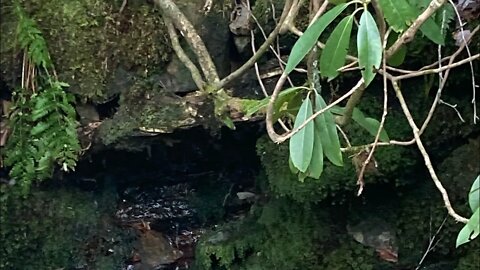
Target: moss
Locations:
point(471, 261)
point(62, 228)
point(349, 255)
point(88, 40)
point(334, 182)
point(142, 107)
point(280, 235)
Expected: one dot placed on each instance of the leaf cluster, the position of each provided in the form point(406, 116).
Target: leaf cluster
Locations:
point(43, 120)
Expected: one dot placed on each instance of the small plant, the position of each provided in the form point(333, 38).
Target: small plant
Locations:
point(472, 229)
point(43, 120)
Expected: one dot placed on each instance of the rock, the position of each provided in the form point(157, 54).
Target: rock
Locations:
point(155, 250)
point(376, 233)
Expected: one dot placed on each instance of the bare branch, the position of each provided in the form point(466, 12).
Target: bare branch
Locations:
point(197, 77)
point(237, 73)
point(181, 22)
point(425, 155)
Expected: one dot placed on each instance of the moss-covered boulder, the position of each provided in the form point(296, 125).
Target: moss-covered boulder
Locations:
point(61, 228)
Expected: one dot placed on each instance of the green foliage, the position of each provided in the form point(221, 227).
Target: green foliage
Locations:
point(279, 235)
point(60, 228)
point(472, 229)
point(327, 129)
point(306, 42)
point(348, 256)
point(335, 182)
point(369, 45)
point(95, 48)
point(434, 27)
point(317, 139)
point(251, 106)
point(469, 262)
point(43, 121)
point(336, 48)
point(301, 143)
point(398, 13)
point(369, 124)
point(30, 39)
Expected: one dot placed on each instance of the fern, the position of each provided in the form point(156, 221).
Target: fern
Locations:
point(43, 121)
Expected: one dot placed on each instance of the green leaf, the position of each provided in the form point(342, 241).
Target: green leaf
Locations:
point(369, 47)
point(474, 195)
point(253, 106)
point(336, 2)
point(432, 31)
point(309, 38)
point(471, 230)
point(327, 130)
point(315, 168)
point(399, 56)
point(398, 13)
point(301, 144)
point(39, 128)
point(369, 124)
point(336, 47)
point(228, 122)
point(292, 167)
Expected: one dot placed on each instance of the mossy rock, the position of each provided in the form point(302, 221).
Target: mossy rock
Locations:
point(90, 40)
point(60, 228)
point(280, 235)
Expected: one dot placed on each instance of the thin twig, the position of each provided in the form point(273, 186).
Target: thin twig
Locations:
point(472, 72)
point(269, 117)
point(237, 73)
point(425, 155)
point(431, 244)
point(360, 181)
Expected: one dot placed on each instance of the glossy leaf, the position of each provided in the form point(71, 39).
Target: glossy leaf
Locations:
point(432, 31)
point(471, 230)
point(336, 47)
point(398, 13)
point(301, 144)
point(309, 38)
point(474, 195)
point(315, 168)
point(369, 124)
point(369, 47)
point(327, 131)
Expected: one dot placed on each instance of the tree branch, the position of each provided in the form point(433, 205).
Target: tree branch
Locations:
point(425, 155)
point(408, 35)
point(181, 22)
point(237, 73)
point(197, 77)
